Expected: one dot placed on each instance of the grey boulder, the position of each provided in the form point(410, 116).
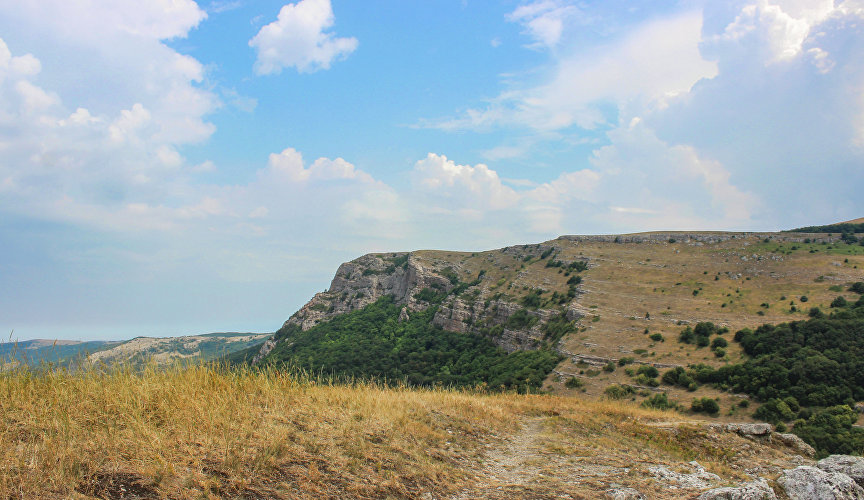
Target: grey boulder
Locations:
point(810, 483)
point(757, 432)
point(754, 490)
point(844, 464)
point(794, 442)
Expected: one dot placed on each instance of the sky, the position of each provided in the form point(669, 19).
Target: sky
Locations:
point(173, 167)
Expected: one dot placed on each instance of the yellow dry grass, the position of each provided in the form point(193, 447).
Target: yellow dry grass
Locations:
point(205, 431)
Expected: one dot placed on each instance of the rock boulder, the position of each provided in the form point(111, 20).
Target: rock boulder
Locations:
point(754, 490)
point(844, 464)
point(810, 483)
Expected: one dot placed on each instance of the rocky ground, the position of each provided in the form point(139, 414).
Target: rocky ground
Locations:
point(529, 465)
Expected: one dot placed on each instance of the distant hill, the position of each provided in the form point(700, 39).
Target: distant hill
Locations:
point(165, 350)
point(161, 350)
point(37, 351)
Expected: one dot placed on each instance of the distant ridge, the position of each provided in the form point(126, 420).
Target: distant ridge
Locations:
point(859, 220)
point(850, 226)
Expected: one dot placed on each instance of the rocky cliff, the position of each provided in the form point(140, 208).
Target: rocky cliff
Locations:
point(480, 293)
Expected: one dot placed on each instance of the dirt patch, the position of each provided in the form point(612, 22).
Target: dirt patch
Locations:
point(117, 485)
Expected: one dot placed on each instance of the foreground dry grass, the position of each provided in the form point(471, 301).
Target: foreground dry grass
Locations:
point(208, 432)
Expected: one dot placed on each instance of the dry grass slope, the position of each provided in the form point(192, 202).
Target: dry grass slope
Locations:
point(207, 432)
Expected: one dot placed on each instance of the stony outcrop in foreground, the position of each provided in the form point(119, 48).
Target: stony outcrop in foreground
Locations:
point(837, 477)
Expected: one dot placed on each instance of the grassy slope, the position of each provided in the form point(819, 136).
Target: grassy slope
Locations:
point(628, 280)
point(204, 432)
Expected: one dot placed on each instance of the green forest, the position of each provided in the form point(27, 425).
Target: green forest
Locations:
point(806, 373)
point(373, 343)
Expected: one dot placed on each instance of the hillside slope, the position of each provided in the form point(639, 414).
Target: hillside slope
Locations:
point(165, 350)
point(611, 299)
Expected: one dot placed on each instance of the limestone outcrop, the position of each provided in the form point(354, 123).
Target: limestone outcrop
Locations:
point(811, 483)
point(844, 464)
point(754, 490)
point(466, 301)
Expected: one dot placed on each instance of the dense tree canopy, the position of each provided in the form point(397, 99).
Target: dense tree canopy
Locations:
point(372, 342)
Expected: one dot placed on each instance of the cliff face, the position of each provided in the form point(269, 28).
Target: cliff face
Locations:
point(468, 288)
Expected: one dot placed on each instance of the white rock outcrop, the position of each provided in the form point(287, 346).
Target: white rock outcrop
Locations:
point(811, 483)
point(844, 464)
point(754, 490)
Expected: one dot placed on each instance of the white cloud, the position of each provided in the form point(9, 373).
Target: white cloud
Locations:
point(735, 117)
point(476, 186)
point(785, 113)
point(98, 20)
point(656, 60)
point(776, 29)
point(674, 184)
point(298, 39)
point(289, 165)
point(544, 20)
point(98, 147)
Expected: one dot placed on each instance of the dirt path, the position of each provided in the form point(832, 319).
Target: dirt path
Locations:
point(511, 469)
point(528, 465)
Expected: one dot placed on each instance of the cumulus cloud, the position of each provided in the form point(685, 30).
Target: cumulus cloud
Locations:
point(741, 101)
point(299, 38)
point(656, 60)
point(477, 195)
point(784, 114)
point(97, 147)
point(289, 165)
point(477, 186)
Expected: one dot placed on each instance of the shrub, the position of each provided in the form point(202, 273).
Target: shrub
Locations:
point(773, 411)
point(719, 352)
point(533, 299)
point(521, 320)
point(677, 376)
point(648, 371)
point(719, 342)
point(618, 391)
point(687, 336)
point(578, 266)
point(792, 403)
point(573, 383)
point(430, 295)
point(643, 379)
point(839, 302)
point(705, 329)
point(857, 287)
point(609, 367)
point(803, 298)
point(659, 402)
point(705, 405)
point(625, 360)
point(656, 337)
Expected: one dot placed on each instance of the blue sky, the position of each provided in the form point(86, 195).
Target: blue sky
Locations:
point(171, 167)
